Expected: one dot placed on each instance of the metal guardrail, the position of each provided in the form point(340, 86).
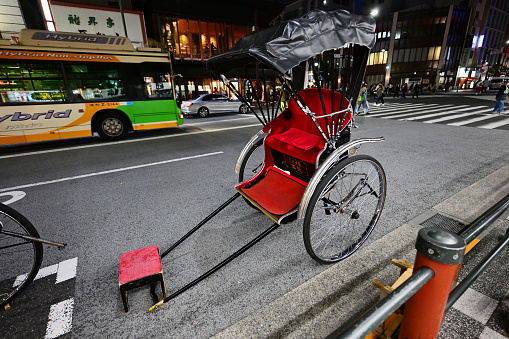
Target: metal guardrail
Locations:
point(384, 308)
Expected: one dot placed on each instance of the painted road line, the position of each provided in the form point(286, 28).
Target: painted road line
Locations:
point(65, 270)
point(14, 196)
point(458, 109)
point(60, 319)
point(407, 111)
point(108, 172)
point(456, 116)
point(411, 112)
point(113, 143)
point(496, 124)
point(466, 122)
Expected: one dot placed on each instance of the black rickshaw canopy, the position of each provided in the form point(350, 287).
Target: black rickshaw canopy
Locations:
point(286, 45)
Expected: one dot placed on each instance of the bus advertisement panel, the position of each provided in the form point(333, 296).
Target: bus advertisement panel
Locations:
point(51, 93)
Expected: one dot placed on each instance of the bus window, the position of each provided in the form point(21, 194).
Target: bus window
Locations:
point(31, 82)
point(157, 85)
point(94, 82)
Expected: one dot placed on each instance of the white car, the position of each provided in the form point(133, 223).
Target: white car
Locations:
point(212, 103)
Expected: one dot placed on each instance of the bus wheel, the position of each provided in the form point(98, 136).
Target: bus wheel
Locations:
point(203, 112)
point(112, 126)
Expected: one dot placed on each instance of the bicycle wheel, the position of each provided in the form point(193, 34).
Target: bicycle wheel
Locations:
point(20, 259)
point(251, 164)
point(344, 209)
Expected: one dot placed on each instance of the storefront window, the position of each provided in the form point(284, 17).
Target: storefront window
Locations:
point(183, 38)
point(239, 32)
point(205, 43)
point(194, 31)
point(213, 38)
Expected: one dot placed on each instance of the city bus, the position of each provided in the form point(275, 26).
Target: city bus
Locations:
point(56, 85)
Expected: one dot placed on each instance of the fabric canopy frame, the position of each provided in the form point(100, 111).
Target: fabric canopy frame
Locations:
point(286, 45)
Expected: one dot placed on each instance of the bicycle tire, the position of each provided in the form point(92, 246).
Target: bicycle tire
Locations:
point(26, 255)
point(344, 209)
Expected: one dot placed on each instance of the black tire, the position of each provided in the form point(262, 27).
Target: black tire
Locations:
point(243, 109)
point(251, 164)
point(20, 259)
point(112, 126)
point(203, 112)
point(344, 209)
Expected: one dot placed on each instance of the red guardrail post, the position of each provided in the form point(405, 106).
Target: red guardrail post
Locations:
point(442, 252)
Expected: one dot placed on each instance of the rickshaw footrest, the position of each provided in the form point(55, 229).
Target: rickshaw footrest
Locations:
point(139, 268)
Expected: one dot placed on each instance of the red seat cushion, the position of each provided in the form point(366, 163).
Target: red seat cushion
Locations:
point(140, 263)
point(299, 139)
point(277, 193)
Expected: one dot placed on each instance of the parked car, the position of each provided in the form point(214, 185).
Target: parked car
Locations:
point(496, 82)
point(212, 103)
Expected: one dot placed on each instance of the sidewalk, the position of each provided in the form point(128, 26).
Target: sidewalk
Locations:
point(327, 304)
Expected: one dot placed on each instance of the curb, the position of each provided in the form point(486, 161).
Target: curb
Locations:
point(336, 297)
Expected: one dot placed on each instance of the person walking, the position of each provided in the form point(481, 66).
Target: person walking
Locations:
point(485, 85)
point(478, 87)
point(363, 94)
point(500, 97)
point(416, 90)
point(380, 94)
point(403, 90)
point(396, 91)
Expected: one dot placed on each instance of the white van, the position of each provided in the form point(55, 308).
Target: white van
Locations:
point(495, 82)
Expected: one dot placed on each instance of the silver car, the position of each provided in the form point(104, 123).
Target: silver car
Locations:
point(212, 103)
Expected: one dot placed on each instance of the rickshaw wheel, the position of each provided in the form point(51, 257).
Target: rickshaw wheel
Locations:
point(344, 209)
point(252, 164)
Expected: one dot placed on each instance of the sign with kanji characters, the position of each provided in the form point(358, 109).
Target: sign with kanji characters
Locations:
point(99, 20)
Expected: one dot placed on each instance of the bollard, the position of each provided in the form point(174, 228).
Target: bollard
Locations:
point(442, 252)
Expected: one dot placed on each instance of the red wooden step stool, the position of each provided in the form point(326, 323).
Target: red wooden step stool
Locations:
point(139, 268)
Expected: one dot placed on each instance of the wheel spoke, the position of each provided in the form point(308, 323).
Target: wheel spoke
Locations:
point(344, 209)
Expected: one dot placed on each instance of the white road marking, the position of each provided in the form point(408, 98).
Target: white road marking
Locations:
point(108, 172)
point(496, 124)
point(60, 319)
point(466, 122)
point(456, 116)
point(65, 270)
point(127, 141)
point(15, 196)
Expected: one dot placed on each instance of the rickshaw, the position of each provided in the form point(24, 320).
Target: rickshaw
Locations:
point(302, 164)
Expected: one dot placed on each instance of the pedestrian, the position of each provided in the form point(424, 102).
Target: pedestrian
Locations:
point(363, 95)
point(416, 90)
point(396, 91)
point(479, 87)
point(500, 97)
point(447, 85)
point(403, 90)
point(485, 85)
point(380, 94)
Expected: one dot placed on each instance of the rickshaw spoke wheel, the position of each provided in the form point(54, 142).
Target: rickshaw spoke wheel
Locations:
point(344, 209)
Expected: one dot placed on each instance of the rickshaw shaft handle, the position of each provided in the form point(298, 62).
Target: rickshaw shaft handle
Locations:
point(203, 222)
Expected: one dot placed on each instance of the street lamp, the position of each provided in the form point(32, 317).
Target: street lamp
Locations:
point(374, 12)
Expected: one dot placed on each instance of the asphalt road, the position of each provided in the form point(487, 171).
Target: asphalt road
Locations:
point(104, 199)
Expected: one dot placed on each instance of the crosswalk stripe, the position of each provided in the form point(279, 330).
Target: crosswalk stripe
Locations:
point(434, 114)
point(438, 113)
point(456, 116)
point(496, 124)
point(466, 122)
point(405, 116)
point(405, 110)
